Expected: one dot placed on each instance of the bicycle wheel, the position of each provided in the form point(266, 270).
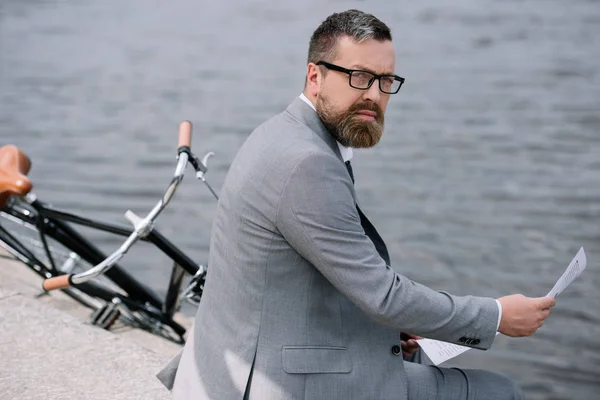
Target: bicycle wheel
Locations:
point(21, 237)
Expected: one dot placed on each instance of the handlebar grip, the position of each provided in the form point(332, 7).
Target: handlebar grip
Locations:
point(185, 134)
point(57, 282)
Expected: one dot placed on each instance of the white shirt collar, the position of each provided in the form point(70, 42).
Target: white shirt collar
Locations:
point(346, 152)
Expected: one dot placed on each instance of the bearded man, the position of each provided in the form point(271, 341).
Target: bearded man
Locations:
point(300, 300)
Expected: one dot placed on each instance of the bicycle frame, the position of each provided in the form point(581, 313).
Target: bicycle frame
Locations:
point(56, 224)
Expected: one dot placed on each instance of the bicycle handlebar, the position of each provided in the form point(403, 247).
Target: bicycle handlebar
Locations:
point(142, 226)
point(185, 134)
point(58, 282)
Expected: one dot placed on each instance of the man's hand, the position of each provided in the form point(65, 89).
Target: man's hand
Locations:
point(522, 316)
point(409, 344)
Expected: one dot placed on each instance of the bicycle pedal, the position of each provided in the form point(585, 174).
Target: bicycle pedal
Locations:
point(106, 316)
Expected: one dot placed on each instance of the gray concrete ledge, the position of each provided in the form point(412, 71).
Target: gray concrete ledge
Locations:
point(48, 351)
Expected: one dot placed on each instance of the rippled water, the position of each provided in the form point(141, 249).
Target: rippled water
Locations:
point(487, 180)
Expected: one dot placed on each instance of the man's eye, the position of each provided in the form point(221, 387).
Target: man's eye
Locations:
point(363, 76)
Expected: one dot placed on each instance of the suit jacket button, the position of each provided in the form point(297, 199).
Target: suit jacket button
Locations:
point(462, 340)
point(396, 350)
point(476, 342)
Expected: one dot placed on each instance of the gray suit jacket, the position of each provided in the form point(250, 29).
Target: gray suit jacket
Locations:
point(298, 304)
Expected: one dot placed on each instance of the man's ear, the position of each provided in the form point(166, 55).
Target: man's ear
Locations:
point(313, 79)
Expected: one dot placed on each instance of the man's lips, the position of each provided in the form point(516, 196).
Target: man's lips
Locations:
point(367, 114)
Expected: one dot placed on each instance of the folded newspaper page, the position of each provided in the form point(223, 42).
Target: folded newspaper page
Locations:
point(439, 351)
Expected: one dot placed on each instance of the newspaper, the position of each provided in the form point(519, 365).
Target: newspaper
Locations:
point(439, 351)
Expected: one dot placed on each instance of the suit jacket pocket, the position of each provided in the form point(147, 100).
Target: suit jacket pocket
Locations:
point(316, 360)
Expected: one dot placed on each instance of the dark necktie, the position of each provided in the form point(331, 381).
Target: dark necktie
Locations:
point(369, 228)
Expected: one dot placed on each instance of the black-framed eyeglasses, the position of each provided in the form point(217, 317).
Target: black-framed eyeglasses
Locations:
point(363, 80)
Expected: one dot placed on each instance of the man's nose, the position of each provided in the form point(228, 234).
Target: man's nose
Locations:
point(373, 93)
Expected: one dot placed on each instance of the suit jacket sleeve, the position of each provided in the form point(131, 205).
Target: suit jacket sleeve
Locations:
point(317, 215)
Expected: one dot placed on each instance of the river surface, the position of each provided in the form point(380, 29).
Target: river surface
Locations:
point(487, 180)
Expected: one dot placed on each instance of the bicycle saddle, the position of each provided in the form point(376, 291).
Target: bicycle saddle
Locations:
point(14, 166)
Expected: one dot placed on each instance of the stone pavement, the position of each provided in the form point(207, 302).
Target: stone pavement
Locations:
point(48, 351)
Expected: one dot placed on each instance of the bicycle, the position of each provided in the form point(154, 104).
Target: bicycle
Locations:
point(44, 239)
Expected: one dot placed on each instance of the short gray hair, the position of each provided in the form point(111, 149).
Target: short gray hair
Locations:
point(355, 24)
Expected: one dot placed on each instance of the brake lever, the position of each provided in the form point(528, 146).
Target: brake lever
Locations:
point(201, 168)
